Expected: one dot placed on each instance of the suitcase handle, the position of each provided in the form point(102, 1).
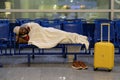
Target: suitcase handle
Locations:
point(108, 25)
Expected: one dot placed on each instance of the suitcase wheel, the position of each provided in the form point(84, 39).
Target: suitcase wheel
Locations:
point(95, 69)
point(109, 70)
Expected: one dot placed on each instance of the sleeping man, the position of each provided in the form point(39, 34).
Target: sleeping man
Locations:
point(33, 33)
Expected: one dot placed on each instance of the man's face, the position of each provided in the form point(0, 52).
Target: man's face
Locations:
point(23, 31)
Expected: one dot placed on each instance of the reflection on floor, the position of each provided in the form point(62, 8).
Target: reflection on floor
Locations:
point(53, 68)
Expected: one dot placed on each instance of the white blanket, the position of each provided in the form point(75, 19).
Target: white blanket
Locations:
point(50, 37)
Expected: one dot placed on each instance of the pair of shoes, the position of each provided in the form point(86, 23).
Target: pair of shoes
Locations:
point(76, 65)
point(79, 65)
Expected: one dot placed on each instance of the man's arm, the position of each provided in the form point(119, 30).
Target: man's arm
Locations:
point(20, 39)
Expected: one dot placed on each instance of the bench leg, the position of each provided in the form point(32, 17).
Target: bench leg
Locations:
point(75, 57)
point(64, 51)
point(33, 56)
point(1, 65)
point(33, 51)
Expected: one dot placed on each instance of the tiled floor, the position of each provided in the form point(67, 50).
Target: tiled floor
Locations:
point(53, 68)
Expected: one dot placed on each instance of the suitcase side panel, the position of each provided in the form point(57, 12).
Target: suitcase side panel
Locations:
point(104, 55)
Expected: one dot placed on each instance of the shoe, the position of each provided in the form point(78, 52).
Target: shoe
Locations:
point(83, 65)
point(76, 65)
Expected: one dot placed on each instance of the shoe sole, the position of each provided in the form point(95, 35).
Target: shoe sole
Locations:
point(78, 68)
point(85, 68)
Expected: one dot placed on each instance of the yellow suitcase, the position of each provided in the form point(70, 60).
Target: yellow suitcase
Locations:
point(104, 53)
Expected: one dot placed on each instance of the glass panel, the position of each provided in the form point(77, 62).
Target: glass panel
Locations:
point(84, 4)
point(88, 16)
point(117, 4)
point(117, 15)
point(54, 4)
point(91, 16)
point(2, 15)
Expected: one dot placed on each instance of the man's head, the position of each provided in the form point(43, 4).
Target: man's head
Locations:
point(20, 30)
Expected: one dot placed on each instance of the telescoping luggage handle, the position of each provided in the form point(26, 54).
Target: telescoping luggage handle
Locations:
point(105, 25)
